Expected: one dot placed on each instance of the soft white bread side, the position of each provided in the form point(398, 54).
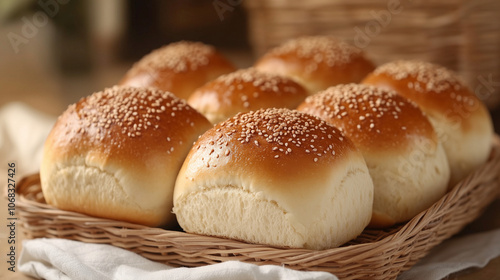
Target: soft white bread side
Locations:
point(462, 122)
point(277, 177)
point(406, 161)
point(317, 62)
point(116, 154)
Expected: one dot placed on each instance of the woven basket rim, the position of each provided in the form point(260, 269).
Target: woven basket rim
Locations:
point(188, 249)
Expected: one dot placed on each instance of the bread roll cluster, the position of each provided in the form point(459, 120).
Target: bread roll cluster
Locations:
point(461, 120)
point(406, 161)
point(304, 149)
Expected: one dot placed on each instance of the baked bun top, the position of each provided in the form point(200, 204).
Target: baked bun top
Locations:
point(373, 118)
point(243, 91)
point(266, 146)
point(120, 150)
point(317, 62)
point(436, 89)
point(179, 68)
point(121, 122)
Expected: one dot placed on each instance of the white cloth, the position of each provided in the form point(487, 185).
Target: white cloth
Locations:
point(455, 255)
point(22, 133)
point(60, 259)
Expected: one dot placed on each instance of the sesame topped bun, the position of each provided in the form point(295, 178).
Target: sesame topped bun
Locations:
point(179, 67)
point(277, 177)
point(116, 154)
point(243, 91)
point(406, 161)
point(317, 62)
point(462, 122)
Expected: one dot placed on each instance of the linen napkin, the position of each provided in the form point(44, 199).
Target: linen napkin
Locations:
point(66, 259)
point(455, 255)
point(22, 135)
point(61, 259)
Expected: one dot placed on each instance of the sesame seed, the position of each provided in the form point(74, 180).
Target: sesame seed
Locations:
point(428, 76)
point(326, 50)
point(277, 128)
point(124, 115)
point(179, 57)
point(238, 83)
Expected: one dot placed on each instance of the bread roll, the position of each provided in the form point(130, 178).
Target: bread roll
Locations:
point(462, 122)
point(317, 62)
point(406, 161)
point(275, 177)
point(179, 68)
point(243, 91)
point(116, 154)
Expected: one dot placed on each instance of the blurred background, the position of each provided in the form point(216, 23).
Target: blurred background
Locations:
point(53, 52)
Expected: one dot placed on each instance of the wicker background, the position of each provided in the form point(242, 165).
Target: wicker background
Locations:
point(459, 34)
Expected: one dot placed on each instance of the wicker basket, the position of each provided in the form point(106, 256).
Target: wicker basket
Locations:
point(375, 254)
point(459, 34)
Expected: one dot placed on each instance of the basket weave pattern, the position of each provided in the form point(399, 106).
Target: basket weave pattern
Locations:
point(458, 34)
point(375, 254)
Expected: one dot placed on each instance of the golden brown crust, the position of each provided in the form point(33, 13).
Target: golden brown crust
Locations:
point(372, 118)
point(273, 141)
point(406, 160)
point(179, 68)
point(277, 177)
point(243, 91)
point(437, 90)
point(123, 122)
point(317, 62)
point(132, 141)
point(462, 122)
